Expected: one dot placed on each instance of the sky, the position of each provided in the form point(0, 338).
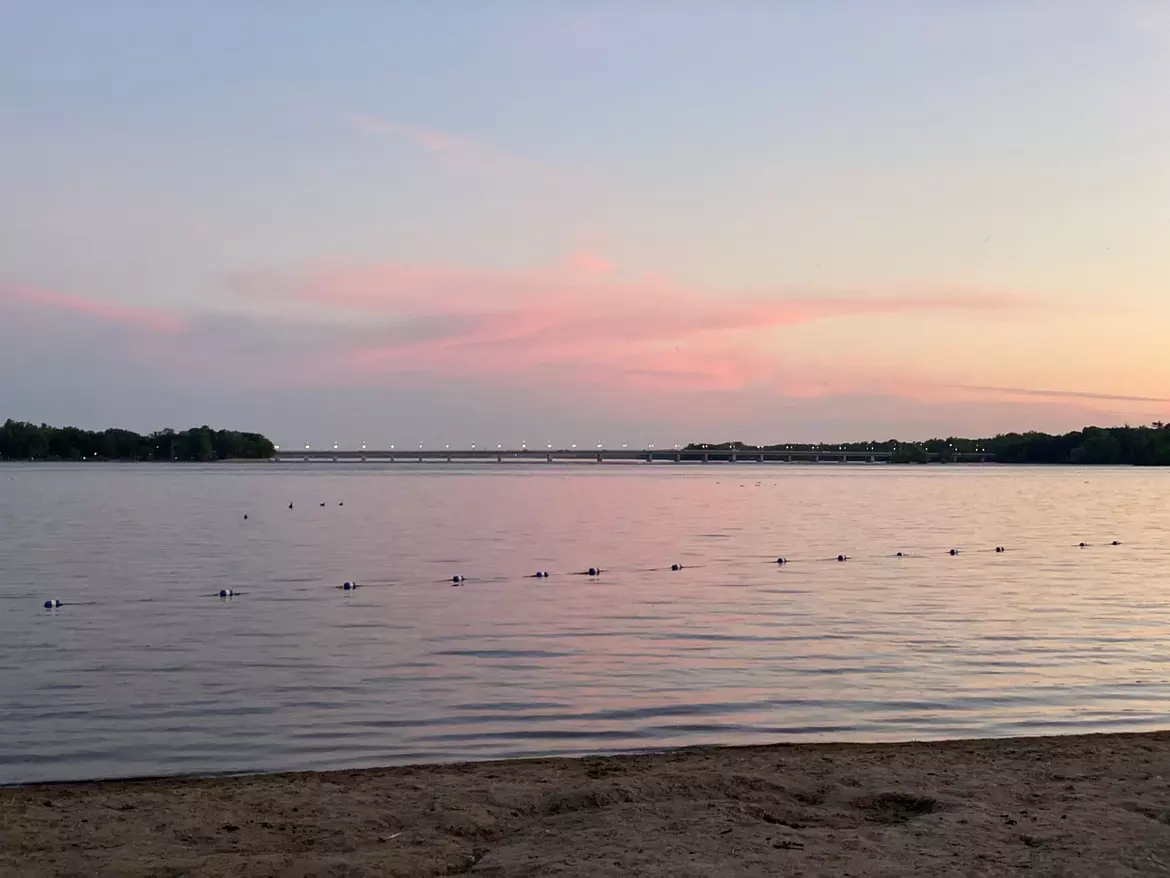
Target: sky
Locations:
point(579, 222)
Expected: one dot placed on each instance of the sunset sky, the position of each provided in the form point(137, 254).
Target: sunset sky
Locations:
point(457, 222)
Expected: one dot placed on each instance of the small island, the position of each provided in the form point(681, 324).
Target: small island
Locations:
point(24, 441)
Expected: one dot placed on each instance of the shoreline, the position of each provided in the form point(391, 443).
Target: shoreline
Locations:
point(1071, 805)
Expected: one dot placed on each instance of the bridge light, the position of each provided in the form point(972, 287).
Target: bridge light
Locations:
point(306, 446)
point(473, 446)
point(276, 447)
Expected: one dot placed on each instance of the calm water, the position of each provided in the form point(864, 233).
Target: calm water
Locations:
point(144, 671)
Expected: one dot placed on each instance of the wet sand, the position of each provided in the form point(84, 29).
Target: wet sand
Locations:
point(1079, 805)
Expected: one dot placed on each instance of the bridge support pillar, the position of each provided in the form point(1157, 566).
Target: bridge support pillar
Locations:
point(599, 457)
point(678, 457)
point(706, 457)
point(548, 457)
point(761, 457)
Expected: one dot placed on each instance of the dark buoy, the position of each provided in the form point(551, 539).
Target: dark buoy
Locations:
point(340, 503)
point(954, 551)
point(225, 592)
point(457, 579)
point(593, 571)
point(322, 502)
point(842, 558)
point(290, 506)
point(1115, 543)
point(540, 574)
point(900, 555)
point(1000, 549)
point(676, 567)
point(349, 586)
point(781, 560)
point(1084, 545)
point(245, 516)
point(52, 604)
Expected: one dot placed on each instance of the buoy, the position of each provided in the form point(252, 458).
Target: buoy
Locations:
point(900, 555)
point(593, 571)
point(52, 604)
point(781, 560)
point(349, 586)
point(1084, 545)
point(322, 503)
point(457, 579)
point(1000, 549)
point(842, 558)
point(1115, 543)
point(339, 503)
point(676, 567)
point(245, 516)
point(290, 506)
point(225, 592)
point(954, 551)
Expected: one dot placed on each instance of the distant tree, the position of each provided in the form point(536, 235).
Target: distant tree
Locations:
point(24, 441)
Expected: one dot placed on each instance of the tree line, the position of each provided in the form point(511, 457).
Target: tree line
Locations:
point(1137, 446)
point(25, 441)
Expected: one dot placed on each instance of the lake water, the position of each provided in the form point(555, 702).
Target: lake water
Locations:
point(145, 671)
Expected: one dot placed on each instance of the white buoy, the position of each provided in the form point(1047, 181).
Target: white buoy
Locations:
point(225, 592)
point(593, 571)
point(52, 604)
point(349, 586)
point(458, 578)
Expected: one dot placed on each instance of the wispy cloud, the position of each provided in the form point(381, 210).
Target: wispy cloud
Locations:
point(575, 324)
point(152, 319)
point(460, 153)
point(1060, 394)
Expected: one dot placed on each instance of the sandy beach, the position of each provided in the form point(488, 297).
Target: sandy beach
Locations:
point(1078, 805)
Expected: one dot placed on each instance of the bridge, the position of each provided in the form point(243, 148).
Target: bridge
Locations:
point(603, 455)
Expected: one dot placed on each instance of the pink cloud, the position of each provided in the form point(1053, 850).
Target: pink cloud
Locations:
point(573, 325)
point(586, 262)
point(466, 154)
point(151, 319)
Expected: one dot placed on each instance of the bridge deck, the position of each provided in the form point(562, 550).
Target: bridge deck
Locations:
point(602, 455)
